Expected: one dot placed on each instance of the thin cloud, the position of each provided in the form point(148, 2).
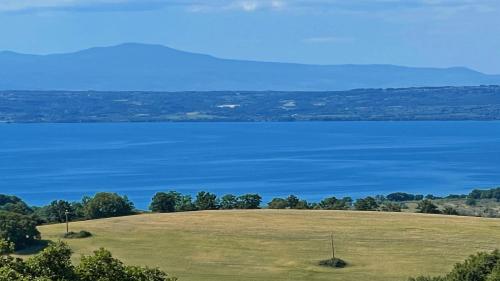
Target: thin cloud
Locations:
point(251, 5)
point(327, 39)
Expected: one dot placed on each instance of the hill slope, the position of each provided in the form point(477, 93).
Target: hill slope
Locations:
point(158, 68)
point(267, 245)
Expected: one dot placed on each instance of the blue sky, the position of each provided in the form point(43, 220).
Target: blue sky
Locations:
point(437, 33)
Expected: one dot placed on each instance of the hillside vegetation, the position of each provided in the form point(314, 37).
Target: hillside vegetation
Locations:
point(443, 103)
point(287, 244)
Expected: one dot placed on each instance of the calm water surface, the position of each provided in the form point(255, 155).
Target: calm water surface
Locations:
point(42, 162)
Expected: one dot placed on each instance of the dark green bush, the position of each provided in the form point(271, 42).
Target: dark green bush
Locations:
point(337, 263)
point(427, 207)
point(448, 210)
point(366, 204)
point(278, 203)
point(77, 235)
point(391, 207)
point(332, 203)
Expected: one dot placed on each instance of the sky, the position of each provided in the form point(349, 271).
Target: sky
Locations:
point(425, 33)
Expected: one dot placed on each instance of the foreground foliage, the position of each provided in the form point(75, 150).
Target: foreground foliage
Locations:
point(479, 267)
point(54, 264)
point(18, 229)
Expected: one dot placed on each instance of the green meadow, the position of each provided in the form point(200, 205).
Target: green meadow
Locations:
point(269, 245)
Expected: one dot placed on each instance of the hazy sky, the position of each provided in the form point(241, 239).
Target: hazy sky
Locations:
point(439, 33)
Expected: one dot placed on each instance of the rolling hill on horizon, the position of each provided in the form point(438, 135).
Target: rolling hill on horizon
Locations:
point(143, 67)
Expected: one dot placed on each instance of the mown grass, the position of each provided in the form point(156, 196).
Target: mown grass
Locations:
point(269, 245)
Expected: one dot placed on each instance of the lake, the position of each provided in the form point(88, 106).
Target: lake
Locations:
point(42, 162)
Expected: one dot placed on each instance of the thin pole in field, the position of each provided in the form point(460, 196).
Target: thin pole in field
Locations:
point(67, 221)
point(333, 249)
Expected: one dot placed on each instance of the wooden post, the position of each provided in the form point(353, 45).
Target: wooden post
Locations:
point(67, 221)
point(333, 249)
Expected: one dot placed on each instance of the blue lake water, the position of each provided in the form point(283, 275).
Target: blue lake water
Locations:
point(42, 162)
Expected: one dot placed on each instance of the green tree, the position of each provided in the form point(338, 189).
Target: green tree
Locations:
point(302, 205)
point(427, 207)
point(185, 204)
point(56, 211)
point(18, 229)
point(278, 203)
point(249, 201)
point(400, 196)
point(292, 201)
point(105, 205)
point(54, 263)
point(332, 203)
point(163, 202)
point(206, 201)
point(101, 266)
point(14, 204)
point(366, 204)
point(229, 202)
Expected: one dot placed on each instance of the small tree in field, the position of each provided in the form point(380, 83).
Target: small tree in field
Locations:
point(427, 207)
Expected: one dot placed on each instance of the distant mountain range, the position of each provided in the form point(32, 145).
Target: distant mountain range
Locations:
point(141, 67)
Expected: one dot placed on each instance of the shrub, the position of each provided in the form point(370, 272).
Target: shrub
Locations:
point(278, 203)
point(427, 207)
point(77, 235)
point(479, 267)
point(6, 247)
point(102, 266)
point(302, 205)
point(448, 210)
point(337, 263)
point(391, 207)
point(366, 204)
point(471, 201)
point(54, 264)
point(332, 203)
point(105, 205)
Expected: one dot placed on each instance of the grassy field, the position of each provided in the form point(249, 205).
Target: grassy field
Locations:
point(269, 245)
